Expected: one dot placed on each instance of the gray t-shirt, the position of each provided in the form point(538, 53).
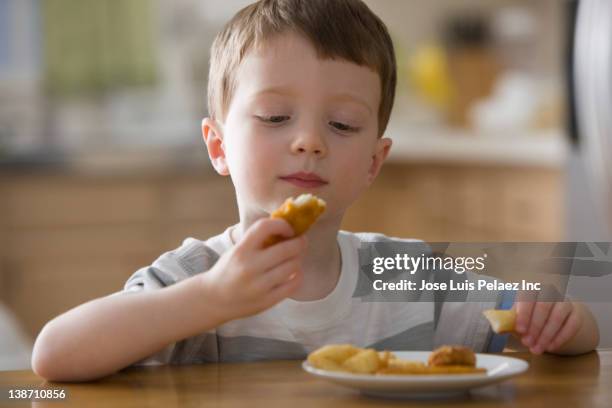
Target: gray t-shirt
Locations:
point(291, 329)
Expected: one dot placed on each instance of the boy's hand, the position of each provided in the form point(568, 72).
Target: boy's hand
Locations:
point(250, 278)
point(546, 326)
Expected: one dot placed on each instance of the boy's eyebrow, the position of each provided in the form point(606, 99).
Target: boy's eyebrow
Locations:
point(352, 98)
point(278, 90)
point(286, 91)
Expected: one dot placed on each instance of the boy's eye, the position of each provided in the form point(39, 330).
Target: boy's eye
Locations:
point(273, 118)
point(343, 127)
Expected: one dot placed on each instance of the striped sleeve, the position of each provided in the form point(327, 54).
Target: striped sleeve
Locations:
point(192, 258)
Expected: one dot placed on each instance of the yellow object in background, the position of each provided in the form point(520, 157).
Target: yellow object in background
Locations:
point(430, 76)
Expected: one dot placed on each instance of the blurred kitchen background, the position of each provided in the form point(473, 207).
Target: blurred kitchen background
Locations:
point(102, 167)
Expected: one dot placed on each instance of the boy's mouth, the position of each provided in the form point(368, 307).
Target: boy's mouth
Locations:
point(304, 180)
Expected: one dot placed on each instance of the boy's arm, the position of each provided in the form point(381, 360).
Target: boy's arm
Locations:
point(110, 333)
point(104, 335)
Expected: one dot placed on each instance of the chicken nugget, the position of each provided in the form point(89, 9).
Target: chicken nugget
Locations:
point(364, 362)
point(331, 356)
point(452, 355)
point(384, 357)
point(300, 213)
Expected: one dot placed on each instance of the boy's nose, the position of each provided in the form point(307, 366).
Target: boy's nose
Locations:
point(309, 143)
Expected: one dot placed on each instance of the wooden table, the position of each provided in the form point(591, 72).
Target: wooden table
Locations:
point(551, 381)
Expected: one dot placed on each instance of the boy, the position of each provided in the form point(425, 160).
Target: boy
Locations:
point(300, 93)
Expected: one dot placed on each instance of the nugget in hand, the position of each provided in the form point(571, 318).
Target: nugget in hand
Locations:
point(502, 321)
point(300, 213)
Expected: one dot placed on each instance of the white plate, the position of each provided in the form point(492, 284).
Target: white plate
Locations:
point(498, 368)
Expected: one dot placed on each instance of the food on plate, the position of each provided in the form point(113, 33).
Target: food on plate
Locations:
point(300, 213)
point(351, 359)
point(417, 368)
point(385, 357)
point(502, 321)
point(364, 362)
point(332, 356)
point(346, 357)
point(452, 355)
point(443, 360)
point(398, 366)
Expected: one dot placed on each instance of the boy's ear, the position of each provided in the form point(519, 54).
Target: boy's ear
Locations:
point(383, 145)
point(212, 132)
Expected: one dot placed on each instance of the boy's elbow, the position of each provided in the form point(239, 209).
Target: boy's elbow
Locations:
point(44, 364)
point(41, 364)
point(47, 361)
point(54, 362)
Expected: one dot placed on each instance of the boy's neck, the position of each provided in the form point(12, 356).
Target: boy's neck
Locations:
point(322, 261)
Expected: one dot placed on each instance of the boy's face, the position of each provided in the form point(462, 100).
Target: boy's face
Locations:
point(298, 124)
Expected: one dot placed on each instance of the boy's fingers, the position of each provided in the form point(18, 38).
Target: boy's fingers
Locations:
point(523, 315)
point(280, 273)
point(286, 288)
point(569, 330)
point(264, 228)
point(539, 316)
point(556, 319)
point(277, 255)
point(281, 252)
point(271, 257)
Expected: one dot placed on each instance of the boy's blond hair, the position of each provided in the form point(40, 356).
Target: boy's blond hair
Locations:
point(342, 29)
